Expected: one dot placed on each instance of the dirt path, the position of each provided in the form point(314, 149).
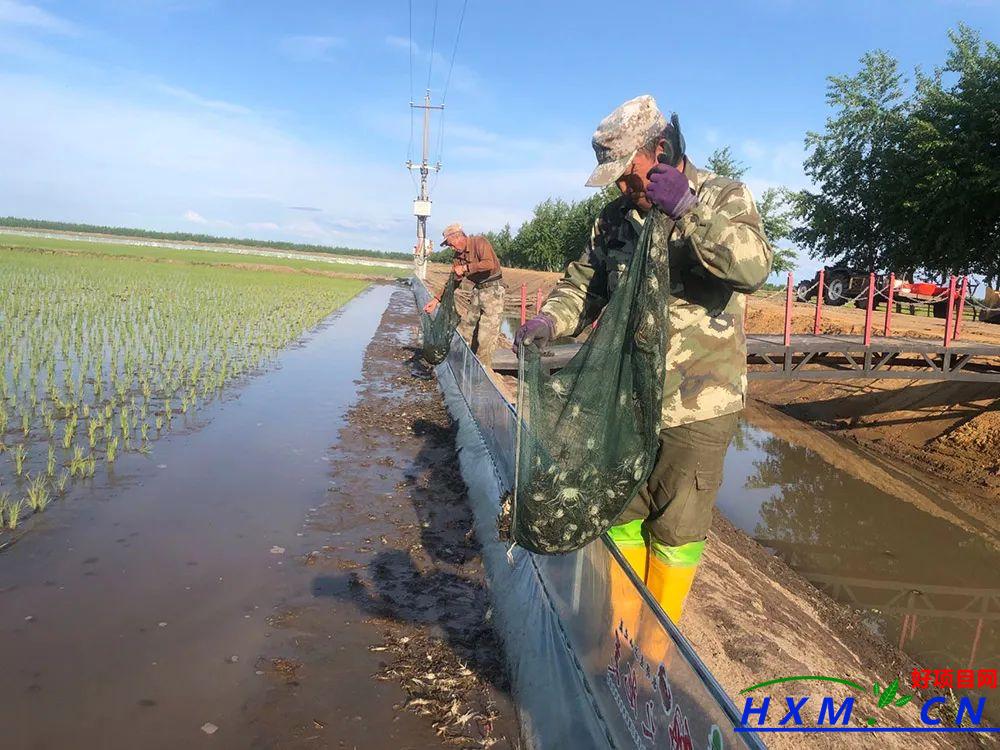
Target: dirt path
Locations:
point(392, 546)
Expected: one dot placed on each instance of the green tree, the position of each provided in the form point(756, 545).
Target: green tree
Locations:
point(950, 154)
point(723, 163)
point(555, 234)
point(776, 214)
point(854, 166)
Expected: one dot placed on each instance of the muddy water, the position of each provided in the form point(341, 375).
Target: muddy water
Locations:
point(133, 618)
point(919, 581)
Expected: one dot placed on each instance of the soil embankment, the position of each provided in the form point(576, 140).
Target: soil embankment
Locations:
point(393, 548)
point(951, 430)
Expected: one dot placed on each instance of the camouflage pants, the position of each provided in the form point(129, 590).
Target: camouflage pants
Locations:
point(676, 504)
point(480, 325)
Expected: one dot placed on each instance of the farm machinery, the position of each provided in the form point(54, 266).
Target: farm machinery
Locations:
point(842, 285)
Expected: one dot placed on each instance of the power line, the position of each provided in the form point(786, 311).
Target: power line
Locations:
point(409, 147)
point(430, 64)
point(451, 66)
point(447, 84)
point(410, 48)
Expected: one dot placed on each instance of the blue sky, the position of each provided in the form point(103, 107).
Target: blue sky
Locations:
point(290, 120)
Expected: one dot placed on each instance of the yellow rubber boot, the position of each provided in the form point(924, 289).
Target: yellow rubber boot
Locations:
point(625, 600)
point(671, 573)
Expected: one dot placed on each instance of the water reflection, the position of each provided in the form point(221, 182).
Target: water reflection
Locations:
point(920, 581)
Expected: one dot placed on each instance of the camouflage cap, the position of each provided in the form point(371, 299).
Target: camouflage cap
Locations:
point(449, 230)
point(620, 136)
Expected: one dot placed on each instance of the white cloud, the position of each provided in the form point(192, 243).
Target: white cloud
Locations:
point(308, 48)
point(194, 217)
point(14, 13)
point(192, 98)
point(80, 155)
point(400, 43)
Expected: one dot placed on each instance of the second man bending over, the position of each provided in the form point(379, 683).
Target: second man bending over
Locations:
point(475, 260)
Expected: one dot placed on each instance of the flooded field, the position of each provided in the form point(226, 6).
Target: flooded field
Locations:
point(134, 613)
point(919, 580)
point(102, 357)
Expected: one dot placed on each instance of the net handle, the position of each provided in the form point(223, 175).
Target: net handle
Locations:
point(517, 449)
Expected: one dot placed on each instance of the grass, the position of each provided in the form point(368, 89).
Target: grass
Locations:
point(208, 257)
point(100, 356)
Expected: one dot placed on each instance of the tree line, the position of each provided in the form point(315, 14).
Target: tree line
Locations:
point(905, 177)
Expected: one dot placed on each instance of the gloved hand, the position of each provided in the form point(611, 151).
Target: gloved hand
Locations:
point(538, 332)
point(669, 189)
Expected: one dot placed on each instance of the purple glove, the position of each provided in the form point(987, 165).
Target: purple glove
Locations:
point(669, 189)
point(538, 332)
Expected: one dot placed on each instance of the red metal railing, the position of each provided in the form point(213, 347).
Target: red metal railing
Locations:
point(888, 305)
point(788, 311)
point(869, 308)
point(819, 301)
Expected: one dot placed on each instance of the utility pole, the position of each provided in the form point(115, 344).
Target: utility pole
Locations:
point(422, 205)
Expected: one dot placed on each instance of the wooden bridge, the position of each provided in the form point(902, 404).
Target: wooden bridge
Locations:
point(837, 358)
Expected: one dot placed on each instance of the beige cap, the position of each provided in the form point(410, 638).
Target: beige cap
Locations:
point(620, 136)
point(451, 229)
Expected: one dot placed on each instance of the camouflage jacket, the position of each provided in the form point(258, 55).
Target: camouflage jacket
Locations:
point(717, 254)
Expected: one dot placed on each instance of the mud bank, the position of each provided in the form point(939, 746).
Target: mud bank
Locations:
point(392, 640)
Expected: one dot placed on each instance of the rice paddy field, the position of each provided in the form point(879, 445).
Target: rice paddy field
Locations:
point(99, 357)
point(10, 241)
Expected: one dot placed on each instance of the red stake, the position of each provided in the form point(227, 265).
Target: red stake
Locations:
point(538, 301)
point(869, 309)
point(788, 311)
point(524, 303)
point(951, 308)
point(819, 302)
point(961, 305)
point(888, 304)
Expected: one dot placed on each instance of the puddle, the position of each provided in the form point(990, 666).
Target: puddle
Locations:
point(921, 582)
point(133, 617)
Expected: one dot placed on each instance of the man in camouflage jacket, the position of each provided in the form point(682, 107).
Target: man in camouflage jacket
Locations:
point(718, 254)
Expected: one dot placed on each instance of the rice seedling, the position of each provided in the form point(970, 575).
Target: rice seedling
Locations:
point(126, 346)
point(20, 453)
point(12, 511)
point(38, 494)
point(112, 452)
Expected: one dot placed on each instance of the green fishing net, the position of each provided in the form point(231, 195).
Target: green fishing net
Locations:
point(588, 434)
point(439, 329)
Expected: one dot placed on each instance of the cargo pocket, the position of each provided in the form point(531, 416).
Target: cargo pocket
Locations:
point(693, 520)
